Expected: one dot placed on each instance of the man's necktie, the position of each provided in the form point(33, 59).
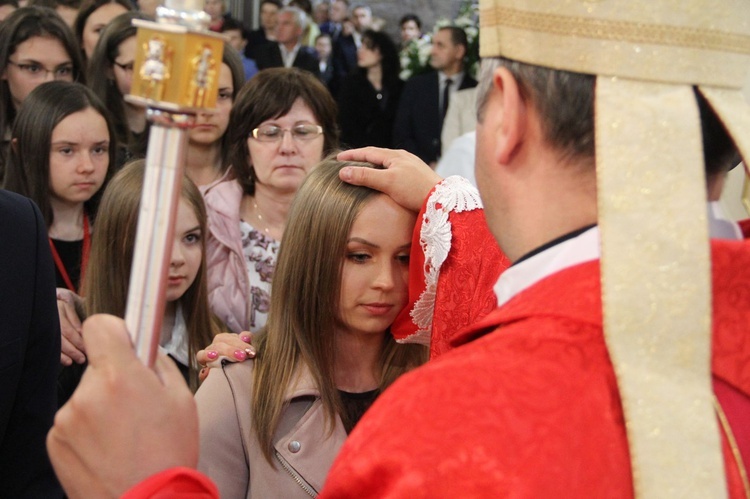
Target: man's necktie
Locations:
point(446, 98)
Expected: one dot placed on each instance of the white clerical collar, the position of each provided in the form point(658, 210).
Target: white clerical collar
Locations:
point(580, 249)
point(584, 248)
point(719, 226)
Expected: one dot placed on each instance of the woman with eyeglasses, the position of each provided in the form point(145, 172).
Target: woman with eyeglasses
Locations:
point(110, 74)
point(35, 46)
point(282, 124)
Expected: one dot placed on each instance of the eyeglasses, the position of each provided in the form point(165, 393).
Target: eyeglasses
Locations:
point(128, 68)
point(273, 133)
point(35, 71)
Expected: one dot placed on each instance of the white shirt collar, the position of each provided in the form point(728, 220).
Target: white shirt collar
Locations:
point(175, 342)
point(580, 249)
point(719, 226)
point(456, 80)
point(288, 56)
point(584, 248)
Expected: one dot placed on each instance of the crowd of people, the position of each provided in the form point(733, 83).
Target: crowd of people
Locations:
point(343, 320)
point(349, 50)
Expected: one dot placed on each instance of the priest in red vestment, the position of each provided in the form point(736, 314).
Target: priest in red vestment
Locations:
point(617, 363)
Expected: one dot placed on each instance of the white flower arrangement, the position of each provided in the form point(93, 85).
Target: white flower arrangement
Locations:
point(415, 57)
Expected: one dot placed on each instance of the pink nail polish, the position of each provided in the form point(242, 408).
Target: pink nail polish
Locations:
point(245, 338)
point(212, 354)
point(240, 355)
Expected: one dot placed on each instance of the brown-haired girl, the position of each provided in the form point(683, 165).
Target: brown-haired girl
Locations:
point(62, 147)
point(188, 325)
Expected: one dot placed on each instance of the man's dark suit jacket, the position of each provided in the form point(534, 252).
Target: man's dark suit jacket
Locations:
point(327, 75)
point(255, 40)
point(269, 56)
point(344, 57)
point(418, 123)
point(29, 350)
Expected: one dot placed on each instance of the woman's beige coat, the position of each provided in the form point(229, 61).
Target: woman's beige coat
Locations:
point(229, 451)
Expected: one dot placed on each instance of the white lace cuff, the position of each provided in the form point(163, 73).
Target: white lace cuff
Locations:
point(452, 194)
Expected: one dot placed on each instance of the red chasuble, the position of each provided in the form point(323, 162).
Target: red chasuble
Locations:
point(465, 292)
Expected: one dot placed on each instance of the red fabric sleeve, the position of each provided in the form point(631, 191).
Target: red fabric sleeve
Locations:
point(403, 326)
point(465, 291)
point(175, 482)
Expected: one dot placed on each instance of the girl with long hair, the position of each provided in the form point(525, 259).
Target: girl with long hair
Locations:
point(110, 75)
point(326, 351)
point(93, 16)
point(36, 46)
point(188, 324)
point(63, 144)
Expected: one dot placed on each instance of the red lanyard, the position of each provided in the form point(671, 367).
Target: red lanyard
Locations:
point(84, 256)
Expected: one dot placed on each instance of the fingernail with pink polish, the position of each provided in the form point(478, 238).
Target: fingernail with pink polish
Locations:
point(212, 354)
point(240, 355)
point(245, 338)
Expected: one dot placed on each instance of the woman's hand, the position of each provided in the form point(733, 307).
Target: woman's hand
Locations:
point(230, 346)
point(73, 350)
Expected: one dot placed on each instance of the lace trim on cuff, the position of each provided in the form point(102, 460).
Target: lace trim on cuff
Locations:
point(452, 194)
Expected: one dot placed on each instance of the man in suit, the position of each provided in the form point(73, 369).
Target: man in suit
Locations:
point(288, 51)
point(269, 12)
point(338, 12)
point(419, 120)
point(29, 350)
point(347, 41)
point(324, 48)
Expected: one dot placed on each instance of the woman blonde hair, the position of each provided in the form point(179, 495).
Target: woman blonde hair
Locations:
point(305, 300)
point(108, 276)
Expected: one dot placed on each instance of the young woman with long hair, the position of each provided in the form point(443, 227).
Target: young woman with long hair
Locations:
point(63, 144)
point(188, 324)
point(110, 74)
point(36, 46)
point(368, 98)
point(93, 16)
point(326, 351)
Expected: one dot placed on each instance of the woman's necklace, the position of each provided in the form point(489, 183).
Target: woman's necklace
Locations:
point(256, 211)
